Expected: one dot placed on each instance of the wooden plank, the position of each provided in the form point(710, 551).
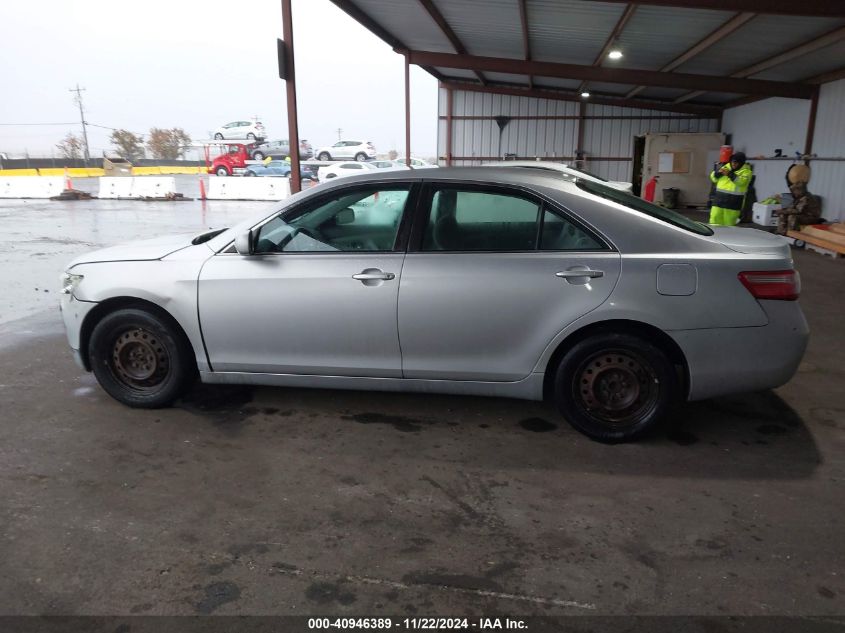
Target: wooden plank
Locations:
point(824, 233)
point(838, 228)
point(809, 239)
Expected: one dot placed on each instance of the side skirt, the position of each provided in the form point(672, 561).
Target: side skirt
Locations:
point(530, 388)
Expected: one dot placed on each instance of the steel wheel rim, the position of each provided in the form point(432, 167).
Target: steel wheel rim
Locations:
point(617, 387)
point(139, 359)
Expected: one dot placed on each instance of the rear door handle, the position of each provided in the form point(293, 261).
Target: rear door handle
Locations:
point(592, 274)
point(374, 276)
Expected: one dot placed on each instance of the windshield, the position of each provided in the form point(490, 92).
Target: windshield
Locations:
point(638, 204)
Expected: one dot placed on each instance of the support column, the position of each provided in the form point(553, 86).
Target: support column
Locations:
point(449, 127)
point(290, 84)
point(811, 122)
point(407, 112)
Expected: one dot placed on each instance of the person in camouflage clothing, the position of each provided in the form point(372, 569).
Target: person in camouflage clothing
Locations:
point(805, 209)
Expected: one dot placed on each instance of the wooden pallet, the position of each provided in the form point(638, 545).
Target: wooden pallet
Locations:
point(829, 239)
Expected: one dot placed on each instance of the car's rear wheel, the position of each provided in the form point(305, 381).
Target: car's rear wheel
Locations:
point(614, 387)
point(249, 173)
point(140, 359)
point(218, 137)
point(324, 156)
point(258, 156)
point(222, 171)
point(251, 136)
point(360, 157)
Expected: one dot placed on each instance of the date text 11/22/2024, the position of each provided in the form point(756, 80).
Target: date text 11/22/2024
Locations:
point(422, 624)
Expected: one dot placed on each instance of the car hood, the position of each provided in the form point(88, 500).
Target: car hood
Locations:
point(751, 241)
point(141, 250)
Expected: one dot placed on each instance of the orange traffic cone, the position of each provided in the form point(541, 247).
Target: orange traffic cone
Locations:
point(202, 189)
point(68, 183)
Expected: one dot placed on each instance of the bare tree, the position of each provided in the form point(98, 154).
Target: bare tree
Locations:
point(168, 144)
point(393, 154)
point(70, 146)
point(128, 145)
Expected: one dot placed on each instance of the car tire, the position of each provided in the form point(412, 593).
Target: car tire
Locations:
point(140, 359)
point(249, 173)
point(250, 136)
point(258, 156)
point(360, 157)
point(614, 387)
point(218, 137)
point(324, 156)
point(222, 171)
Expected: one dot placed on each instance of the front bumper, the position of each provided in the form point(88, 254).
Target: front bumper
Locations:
point(74, 312)
point(740, 360)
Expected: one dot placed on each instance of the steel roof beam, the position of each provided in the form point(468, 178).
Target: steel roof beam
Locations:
point(526, 43)
point(612, 75)
point(716, 36)
point(556, 95)
point(832, 37)
point(820, 8)
point(453, 38)
point(614, 35)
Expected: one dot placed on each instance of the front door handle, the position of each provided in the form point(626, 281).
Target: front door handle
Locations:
point(373, 274)
point(568, 274)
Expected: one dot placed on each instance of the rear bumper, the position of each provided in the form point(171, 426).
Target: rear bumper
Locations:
point(739, 360)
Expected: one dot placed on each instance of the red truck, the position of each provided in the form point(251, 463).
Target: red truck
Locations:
point(233, 160)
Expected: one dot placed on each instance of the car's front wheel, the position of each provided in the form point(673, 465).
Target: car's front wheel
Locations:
point(360, 157)
point(249, 172)
point(614, 387)
point(258, 156)
point(324, 156)
point(140, 359)
point(218, 137)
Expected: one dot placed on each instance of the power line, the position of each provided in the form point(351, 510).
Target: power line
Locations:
point(17, 124)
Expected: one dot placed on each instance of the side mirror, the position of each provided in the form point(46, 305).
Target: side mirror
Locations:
point(345, 216)
point(243, 244)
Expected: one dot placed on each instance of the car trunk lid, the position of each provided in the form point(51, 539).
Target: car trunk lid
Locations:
point(751, 241)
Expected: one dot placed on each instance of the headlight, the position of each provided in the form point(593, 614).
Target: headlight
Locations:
point(70, 282)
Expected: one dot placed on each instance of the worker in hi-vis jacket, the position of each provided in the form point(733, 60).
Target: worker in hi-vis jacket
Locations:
point(732, 180)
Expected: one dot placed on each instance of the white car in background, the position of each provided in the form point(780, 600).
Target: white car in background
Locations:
point(241, 129)
point(348, 168)
point(389, 165)
point(416, 163)
point(345, 150)
point(564, 169)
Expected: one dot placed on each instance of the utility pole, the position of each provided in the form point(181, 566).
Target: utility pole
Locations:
point(78, 99)
point(339, 132)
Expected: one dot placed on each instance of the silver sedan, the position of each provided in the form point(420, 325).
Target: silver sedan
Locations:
point(486, 281)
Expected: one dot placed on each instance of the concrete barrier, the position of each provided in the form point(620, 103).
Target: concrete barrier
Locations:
point(18, 172)
point(124, 187)
point(33, 187)
point(114, 187)
point(245, 188)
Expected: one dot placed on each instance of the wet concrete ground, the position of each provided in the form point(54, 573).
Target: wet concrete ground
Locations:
point(281, 501)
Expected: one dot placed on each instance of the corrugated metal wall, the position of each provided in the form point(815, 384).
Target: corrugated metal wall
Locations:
point(760, 128)
point(828, 179)
point(552, 130)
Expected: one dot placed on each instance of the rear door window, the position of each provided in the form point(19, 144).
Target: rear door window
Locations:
point(466, 220)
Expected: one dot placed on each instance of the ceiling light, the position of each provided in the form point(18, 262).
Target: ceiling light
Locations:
point(585, 94)
point(614, 55)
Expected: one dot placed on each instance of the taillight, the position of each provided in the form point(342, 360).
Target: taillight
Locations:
point(783, 285)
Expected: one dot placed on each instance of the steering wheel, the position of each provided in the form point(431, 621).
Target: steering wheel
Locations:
point(314, 234)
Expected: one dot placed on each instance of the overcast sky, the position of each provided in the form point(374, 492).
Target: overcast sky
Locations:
point(198, 65)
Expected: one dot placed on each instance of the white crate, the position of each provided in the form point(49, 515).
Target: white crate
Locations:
point(764, 214)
